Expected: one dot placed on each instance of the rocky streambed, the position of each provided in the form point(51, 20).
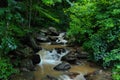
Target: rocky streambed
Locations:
point(70, 67)
point(48, 56)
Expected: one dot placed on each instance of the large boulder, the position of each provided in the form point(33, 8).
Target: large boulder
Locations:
point(62, 66)
point(35, 59)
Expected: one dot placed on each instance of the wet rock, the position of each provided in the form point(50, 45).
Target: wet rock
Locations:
point(78, 62)
point(82, 55)
point(80, 77)
point(45, 31)
point(72, 74)
point(62, 66)
point(42, 38)
point(23, 76)
point(53, 31)
point(53, 38)
point(71, 57)
point(31, 42)
point(35, 59)
point(55, 43)
point(60, 50)
point(99, 75)
point(49, 77)
point(26, 64)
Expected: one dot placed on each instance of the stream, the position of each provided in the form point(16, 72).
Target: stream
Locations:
point(59, 61)
point(50, 58)
point(79, 68)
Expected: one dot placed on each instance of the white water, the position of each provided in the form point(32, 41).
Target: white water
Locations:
point(54, 58)
point(51, 57)
point(61, 38)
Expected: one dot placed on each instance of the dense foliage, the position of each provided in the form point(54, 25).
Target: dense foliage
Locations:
point(18, 18)
point(116, 72)
point(96, 26)
point(6, 69)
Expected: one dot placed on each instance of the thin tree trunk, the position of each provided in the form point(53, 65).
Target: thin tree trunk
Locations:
point(30, 13)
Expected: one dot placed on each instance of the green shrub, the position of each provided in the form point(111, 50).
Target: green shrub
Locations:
point(11, 31)
point(6, 69)
point(96, 26)
point(51, 2)
point(7, 44)
point(81, 20)
point(116, 72)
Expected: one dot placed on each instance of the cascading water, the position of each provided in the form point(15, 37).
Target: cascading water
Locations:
point(61, 38)
point(51, 57)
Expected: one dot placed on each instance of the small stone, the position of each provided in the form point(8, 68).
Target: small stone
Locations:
point(49, 77)
point(70, 57)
